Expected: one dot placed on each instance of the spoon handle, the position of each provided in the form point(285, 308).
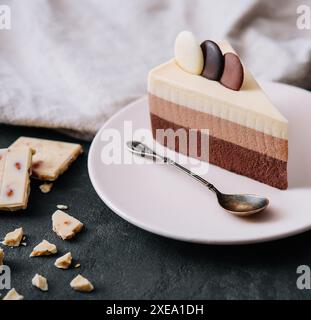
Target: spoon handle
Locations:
point(142, 150)
point(190, 173)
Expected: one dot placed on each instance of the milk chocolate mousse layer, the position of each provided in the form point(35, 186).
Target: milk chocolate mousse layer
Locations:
point(227, 155)
point(219, 128)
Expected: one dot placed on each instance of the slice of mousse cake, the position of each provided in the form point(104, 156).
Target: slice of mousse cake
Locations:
point(246, 132)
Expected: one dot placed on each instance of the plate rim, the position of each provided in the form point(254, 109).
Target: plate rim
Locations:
point(135, 222)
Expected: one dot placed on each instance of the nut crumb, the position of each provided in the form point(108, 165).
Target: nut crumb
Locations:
point(40, 282)
point(44, 248)
point(62, 207)
point(14, 238)
point(18, 166)
point(1, 256)
point(9, 192)
point(37, 164)
point(81, 284)
point(46, 187)
point(64, 262)
point(13, 295)
point(65, 225)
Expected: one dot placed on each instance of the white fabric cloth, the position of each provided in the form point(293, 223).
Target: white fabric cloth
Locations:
point(71, 64)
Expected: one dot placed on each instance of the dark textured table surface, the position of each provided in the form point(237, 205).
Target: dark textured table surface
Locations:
point(125, 262)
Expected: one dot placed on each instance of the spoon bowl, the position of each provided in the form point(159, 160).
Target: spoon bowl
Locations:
point(242, 204)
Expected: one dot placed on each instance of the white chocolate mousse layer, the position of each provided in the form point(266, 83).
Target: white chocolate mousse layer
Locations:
point(249, 107)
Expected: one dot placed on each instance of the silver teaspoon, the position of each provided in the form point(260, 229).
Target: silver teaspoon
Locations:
point(238, 204)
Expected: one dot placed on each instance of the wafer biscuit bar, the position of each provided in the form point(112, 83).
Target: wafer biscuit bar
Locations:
point(15, 167)
point(52, 158)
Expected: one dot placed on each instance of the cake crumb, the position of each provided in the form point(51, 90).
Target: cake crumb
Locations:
point(14, 238)
point(13, 295)
point(44, 248)
point(78, 265)
point(62, 207)
point(40, 282)
point(46, 187)
point(64, 262)
point(81, 284)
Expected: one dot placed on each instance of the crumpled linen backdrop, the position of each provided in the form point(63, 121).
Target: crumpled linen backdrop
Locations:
point(71, 64)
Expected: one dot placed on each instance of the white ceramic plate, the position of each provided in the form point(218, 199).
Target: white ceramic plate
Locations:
point(160, 199)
